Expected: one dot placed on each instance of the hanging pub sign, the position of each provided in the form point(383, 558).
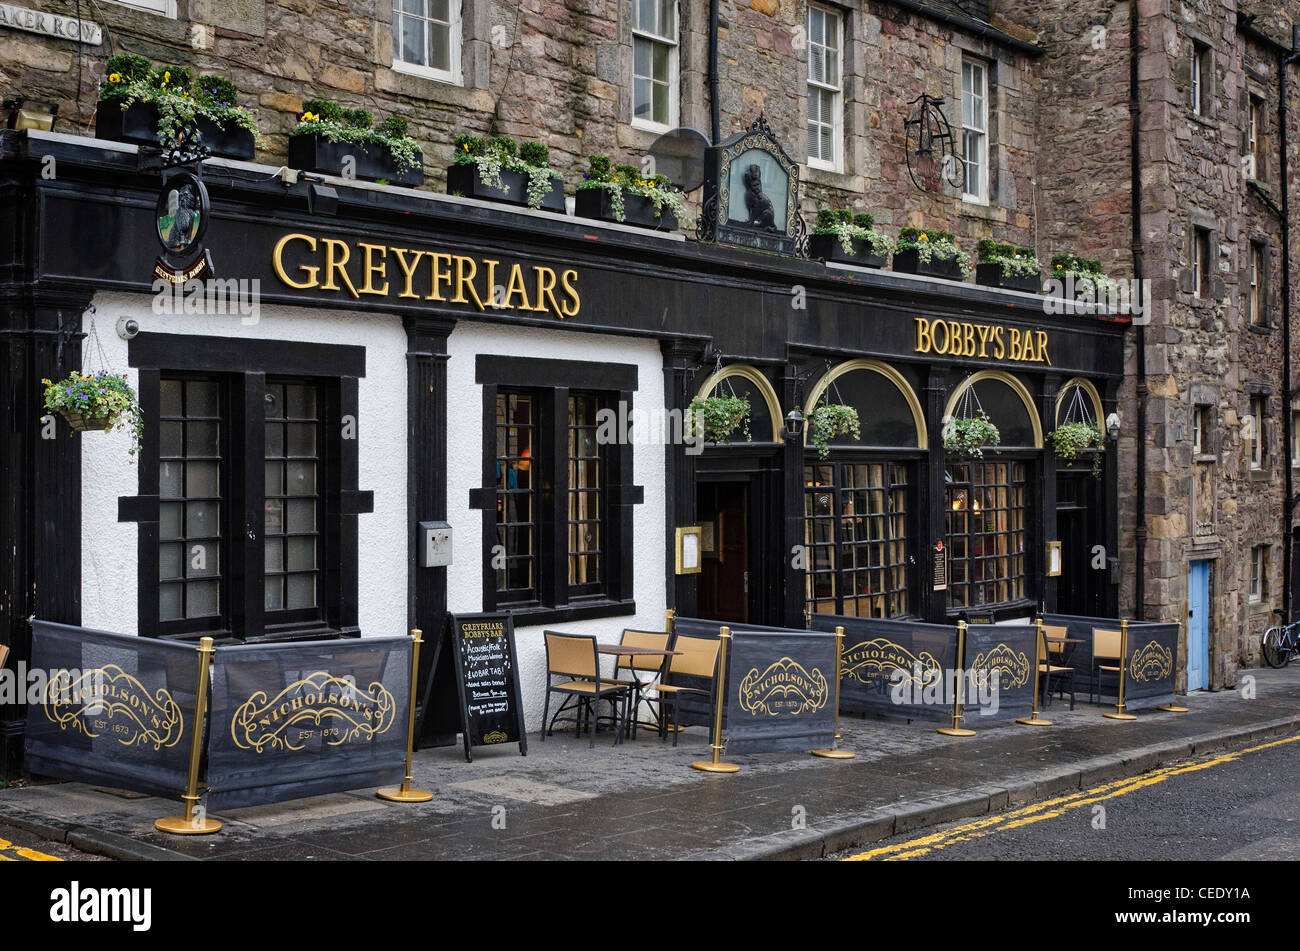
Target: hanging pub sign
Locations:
point(751, 194)
point(487, 672)
point(180, 222)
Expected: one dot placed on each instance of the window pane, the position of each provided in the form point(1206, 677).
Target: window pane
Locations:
point(302, 592)
point(439, 46)
point(515, 503)
point(292, 539)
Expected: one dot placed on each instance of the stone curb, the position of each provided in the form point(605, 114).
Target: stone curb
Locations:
point(95, 841)
point(881, 824)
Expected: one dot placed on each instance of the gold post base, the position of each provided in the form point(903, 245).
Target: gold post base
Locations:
point(404, 794)
point(179, 825)
point(1034, 721)
point(834, 754)
point(1173, 708)
point(711, 767)
point(954, 731)
point(1119, 716)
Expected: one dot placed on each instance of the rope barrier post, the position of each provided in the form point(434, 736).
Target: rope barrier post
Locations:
point(715, 765)
point(190, 823)
point(835, 752)
point(405, 793)
point(1119, 713)
point(1033, 719)
point(957, 729)
point(1173, 706)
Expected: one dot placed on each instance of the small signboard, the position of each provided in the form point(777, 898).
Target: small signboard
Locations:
point(487, 674)
point(940, 567)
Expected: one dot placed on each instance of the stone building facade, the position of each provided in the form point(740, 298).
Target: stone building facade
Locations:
point(1056, 82)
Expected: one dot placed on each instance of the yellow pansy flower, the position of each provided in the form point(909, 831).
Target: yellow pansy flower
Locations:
point(115, 78)
point(922, 237)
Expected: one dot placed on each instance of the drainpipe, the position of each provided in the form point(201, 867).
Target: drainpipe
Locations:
point(714, 109)
point(1288, 507)
point(1135, 198)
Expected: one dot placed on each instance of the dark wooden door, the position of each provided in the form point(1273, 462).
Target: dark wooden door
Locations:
point(1081, 586)
point(724, 574)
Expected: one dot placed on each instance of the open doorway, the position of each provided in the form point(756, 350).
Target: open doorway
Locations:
point(723, 512)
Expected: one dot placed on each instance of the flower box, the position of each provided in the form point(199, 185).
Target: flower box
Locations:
point(908, 262)
point(827, 247)
point(991, 275)
point(637, 209)
point(138, 124)
point(465, 180)
point(312, 152)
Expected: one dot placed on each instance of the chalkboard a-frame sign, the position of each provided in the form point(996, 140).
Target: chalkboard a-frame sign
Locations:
point(487, 674)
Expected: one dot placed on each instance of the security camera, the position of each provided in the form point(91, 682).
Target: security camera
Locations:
point(127, 328)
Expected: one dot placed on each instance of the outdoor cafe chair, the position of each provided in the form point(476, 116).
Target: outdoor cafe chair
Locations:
point(1049, 670)
point(1105, 657)
point(637, 665)
point(696, 657)
point(574, 656)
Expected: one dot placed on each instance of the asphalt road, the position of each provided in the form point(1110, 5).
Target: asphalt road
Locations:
point(1235, 806)
point(17, 845)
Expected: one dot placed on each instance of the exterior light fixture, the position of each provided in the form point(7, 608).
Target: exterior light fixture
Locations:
point(1112, 425)
point(322, 199)
point(793, 424)
point(31, 114)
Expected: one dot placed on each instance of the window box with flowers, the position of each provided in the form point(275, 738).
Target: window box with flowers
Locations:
point(930, 253)
point(620, 194)
point(1080, 279)
point(328, 135)
point(499, 169)
point(101, 401)
point(148, 106)
point(1008, 267)
point(842, 235)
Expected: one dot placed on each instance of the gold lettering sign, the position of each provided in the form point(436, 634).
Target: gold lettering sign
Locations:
point(1013, 664)
point(955, 338)
point(785, 687)
point(1151, 663)
point(869, 661)
point(108, 700)
point(359, 269)
point(337, 706)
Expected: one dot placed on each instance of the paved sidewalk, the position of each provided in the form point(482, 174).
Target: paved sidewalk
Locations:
point(642, 799)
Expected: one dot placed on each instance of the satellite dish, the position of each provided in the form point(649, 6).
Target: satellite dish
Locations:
point(679, 154)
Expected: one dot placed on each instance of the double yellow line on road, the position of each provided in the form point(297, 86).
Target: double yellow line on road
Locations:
point(16, 853)
point(1048, 809)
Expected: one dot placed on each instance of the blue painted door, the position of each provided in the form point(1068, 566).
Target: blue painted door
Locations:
point(1198, 625)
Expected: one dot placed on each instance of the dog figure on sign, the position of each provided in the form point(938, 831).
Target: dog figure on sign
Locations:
point(759, 206)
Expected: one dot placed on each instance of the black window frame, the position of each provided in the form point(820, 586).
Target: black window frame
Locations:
point(243, 368)
point(550, 383)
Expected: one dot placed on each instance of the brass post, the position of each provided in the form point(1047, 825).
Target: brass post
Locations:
point(956, 729)
point(835, 752)
point(1119, 713)
point(405, 793)
point(1174, 706)
point(715, 765)
point(191, 824)
point(670, 616)
point(1041, 643)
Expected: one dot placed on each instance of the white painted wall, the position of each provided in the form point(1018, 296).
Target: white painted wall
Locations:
point(465, 470)
point(108, 561)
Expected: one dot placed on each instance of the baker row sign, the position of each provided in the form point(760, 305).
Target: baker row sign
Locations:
point(20, 18)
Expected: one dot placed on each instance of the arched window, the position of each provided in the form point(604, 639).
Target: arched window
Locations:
point(1005, 401)
point(740, 379)
point(859, 498)
point(1078, 402)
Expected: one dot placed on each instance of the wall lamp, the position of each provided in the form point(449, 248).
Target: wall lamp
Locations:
point(31, 114)
point(1112, 425)
point(322, 199)
point(793, 425)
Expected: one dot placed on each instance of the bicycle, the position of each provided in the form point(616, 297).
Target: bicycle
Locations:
point(1280, 644)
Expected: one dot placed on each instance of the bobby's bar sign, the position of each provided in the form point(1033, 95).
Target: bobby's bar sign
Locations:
point(294, 720)
point(359, 269)
point(959, 338)
point(780, 690)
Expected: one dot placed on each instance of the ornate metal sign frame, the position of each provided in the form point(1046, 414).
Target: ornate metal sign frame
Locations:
point(715, 225)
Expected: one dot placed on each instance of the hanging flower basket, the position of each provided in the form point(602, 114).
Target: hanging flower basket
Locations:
point(718, 416)
point(96, 403)
point(829, 420)
point(969, 435)
point(1071, 440)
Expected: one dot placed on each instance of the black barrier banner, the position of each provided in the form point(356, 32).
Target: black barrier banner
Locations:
point(115, 709)
point(1152, 656)
point(696, 709)
point(1079, 656)
point(999, 671)
point(895, 668)
point(780, 691)
point(301, 719)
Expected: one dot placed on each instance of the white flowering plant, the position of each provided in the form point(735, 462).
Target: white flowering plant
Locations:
point(847, 225)
point(621, 180)
point(933, 245)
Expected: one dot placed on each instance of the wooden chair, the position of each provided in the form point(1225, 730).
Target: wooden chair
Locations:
point(698, 657)
point(1106, 648)
point(651, 667)
point(573, 656)
point(1047, 668)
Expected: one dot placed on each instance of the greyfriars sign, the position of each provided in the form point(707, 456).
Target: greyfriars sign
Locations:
point(751, 194)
